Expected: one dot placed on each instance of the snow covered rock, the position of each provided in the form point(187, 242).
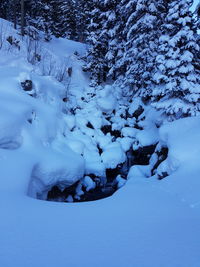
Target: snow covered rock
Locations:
point(55, 169)
point(88, 183)
point(113, 155)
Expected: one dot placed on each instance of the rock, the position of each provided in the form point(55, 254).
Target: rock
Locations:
point(163, 175)
point(108, 129)
point(142, 155)
point(89, 125)
point(138, 112)
point(27, 85)
point(65, 99)
point(161, 156)
point(111, 174)
point(54, 193)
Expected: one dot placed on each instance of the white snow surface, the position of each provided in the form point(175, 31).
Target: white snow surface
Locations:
point(147, 223)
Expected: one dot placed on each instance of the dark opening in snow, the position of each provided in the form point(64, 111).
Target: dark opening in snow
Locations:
point(92, 187)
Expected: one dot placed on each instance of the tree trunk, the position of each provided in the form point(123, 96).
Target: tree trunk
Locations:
point(22, 17)
point(15, 15)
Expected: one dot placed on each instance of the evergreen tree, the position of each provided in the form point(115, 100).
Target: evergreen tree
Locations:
point(69, 19)
point(35, 13)
point(113, 29)
point(123, 12)
point(46, 22)
point(82, 14)
point(197, 12)
point(3, 9)
point(10, 10)
point(177, 77)
point(141, 45)
point(56, 18)
point(97, 39)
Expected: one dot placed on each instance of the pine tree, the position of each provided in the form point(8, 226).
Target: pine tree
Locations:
point(141, 45)
point(97, 39)
point(123, 11)
point(197, 13)
point(39, 15)
point(177, 77)
point(69, 20)
point(105, 38)
point(113, 29)
point(10, 10)
point(56, 24)
point(82, 14)
point(3, 9)
point(35, 13)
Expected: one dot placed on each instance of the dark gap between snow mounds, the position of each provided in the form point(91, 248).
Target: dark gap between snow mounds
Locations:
point(114, 177)
point(101, 188)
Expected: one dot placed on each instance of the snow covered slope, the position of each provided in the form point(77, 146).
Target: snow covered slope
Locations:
point(32, 127)
point(146, 223)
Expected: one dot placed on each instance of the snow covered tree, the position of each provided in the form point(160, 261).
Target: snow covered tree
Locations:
point(177, 72)
point(82, 10)
point(123, 12)
point(97, 39)
point(35, 13)
point(141, 45)
point(197, 13)
point(3, 10)
point(10, 10)
point(55, 14)
point(105, 38)
point(63, 18)
point(46, 22)
point(69, 19)
point(114, 26)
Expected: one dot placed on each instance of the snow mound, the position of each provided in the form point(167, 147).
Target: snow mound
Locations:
point(55, 169)
point(181, 137)
point(113, 155)
point(107, 100)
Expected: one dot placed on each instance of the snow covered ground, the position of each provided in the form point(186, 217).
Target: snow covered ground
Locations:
point(138, 226)
point(147, 223)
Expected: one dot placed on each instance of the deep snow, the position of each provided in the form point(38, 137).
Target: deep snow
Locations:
point(146, 223)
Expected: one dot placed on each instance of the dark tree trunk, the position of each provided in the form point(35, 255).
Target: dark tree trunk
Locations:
point(15, 15)
point(22, 17)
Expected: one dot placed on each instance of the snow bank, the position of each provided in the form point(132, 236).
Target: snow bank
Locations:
point(182, 163)
point(33, 129)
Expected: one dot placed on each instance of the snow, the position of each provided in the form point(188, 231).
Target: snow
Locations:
point(31, 128)
point(184, 152)
point(88, 183)
point(120, 181)
point(194, 5)
point(113, 155)
point(55, 169)
point(145, 223)
point(182, 163)
point(129, 132)
point(106, 100)
point(139, 220)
